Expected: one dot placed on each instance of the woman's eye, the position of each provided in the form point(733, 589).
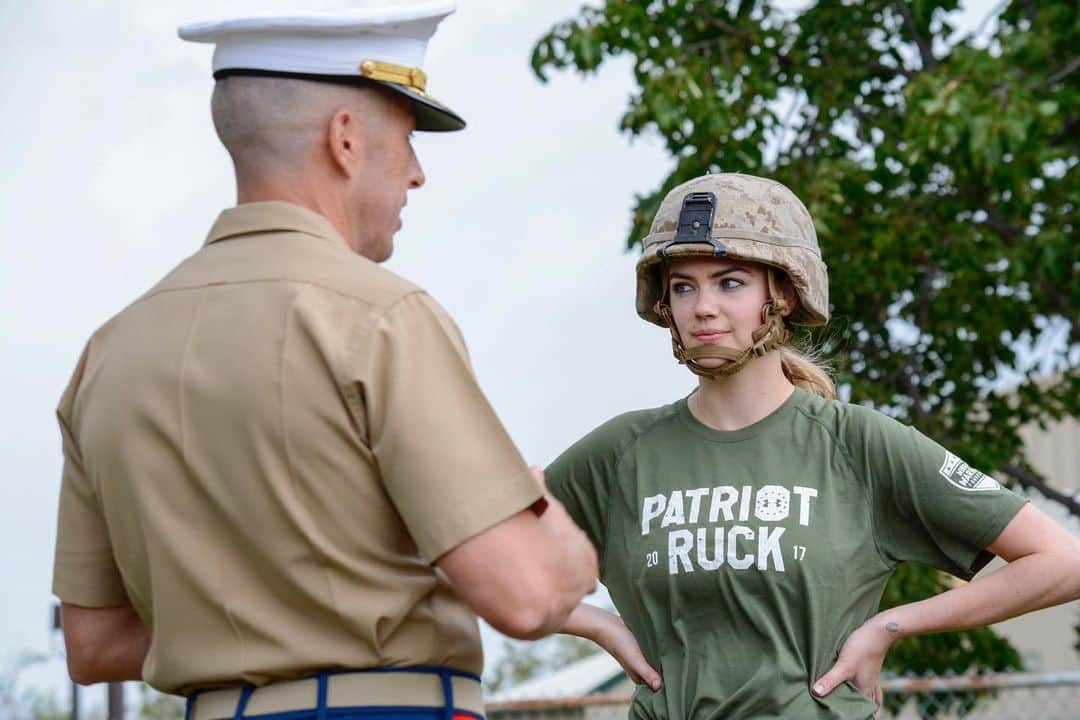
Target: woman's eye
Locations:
point(730, 283)
point(680, 288)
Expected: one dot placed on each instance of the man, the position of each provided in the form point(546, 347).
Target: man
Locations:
point(280, 475)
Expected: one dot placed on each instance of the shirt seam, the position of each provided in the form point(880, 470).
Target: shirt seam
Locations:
point(297, 280)
point(269, 231)
point(620, 455)
point(227, 601)
point(683, 414)
point(994, 528)
point(345, 384)
point(866, 482)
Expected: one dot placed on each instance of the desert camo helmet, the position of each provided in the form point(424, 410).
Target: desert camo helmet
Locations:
point(740, 217)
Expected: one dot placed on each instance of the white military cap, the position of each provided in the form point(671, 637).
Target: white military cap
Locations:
point(383, 45)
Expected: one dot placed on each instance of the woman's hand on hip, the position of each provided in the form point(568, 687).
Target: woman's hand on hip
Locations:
point(860, 660)
point(621, 644)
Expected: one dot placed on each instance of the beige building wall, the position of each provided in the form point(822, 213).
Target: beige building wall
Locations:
point(1055, 453)
point(1046, 638)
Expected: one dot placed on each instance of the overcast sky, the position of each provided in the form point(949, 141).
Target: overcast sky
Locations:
point(112, 174)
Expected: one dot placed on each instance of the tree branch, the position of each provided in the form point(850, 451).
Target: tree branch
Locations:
point(882, 70)
point(1063, 72)
point(862, 127)
point(813, 132)
point(786, 125)
point(1063, 306)
point(1030, 10)
point(920, 309)
point(900, 67)
point(912, 389)
point(1071, 127)
point(1032, 481)
point(1006, 230)
point(926, 51)
point(718, 23)
point(702, 44)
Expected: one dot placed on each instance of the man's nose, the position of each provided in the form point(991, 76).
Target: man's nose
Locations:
point(416, 174)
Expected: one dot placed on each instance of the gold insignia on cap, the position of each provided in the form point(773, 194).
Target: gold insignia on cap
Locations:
point(411, 77)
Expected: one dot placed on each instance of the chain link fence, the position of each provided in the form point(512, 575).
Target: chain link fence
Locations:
point(1005, 696)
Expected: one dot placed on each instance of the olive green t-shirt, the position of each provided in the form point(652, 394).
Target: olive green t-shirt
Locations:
point(742, 560)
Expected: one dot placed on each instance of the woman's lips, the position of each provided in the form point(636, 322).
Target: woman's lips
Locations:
point(709, 336)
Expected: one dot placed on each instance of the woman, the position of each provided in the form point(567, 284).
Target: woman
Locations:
point(746, 532)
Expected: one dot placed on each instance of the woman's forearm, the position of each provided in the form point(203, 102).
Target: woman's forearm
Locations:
point(1043, 569)
point(608, 630)
point(1028, 583)
point(587, 621)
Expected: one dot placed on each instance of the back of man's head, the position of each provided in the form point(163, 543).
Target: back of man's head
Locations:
point(272, 127)
point(340, 150)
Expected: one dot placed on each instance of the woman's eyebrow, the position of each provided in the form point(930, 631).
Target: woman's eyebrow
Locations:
point(718, 273)
point(736, 268)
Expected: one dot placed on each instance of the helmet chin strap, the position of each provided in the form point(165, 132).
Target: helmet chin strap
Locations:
point(772, 333)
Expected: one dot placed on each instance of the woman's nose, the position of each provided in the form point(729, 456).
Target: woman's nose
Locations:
point(705, 305)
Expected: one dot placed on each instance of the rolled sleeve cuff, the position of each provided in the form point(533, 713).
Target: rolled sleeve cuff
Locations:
point(89, 584)
point(476, 514)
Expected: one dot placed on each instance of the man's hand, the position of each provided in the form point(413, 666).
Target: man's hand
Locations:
point(860, 660)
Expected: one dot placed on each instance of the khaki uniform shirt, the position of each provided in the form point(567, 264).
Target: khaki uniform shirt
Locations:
point(266, 453)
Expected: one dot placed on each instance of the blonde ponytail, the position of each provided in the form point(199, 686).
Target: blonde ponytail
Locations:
point(807, 371)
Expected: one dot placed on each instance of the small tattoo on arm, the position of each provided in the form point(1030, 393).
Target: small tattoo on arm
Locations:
point(892, 628)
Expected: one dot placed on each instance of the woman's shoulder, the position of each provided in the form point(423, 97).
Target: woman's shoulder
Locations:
point(635, 422)
point(621, 431)
point(847, 421)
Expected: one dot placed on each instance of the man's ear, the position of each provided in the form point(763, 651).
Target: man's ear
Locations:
point(345, 141)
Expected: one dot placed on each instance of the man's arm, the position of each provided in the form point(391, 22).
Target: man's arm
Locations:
point(526, 574)
point(104, 644)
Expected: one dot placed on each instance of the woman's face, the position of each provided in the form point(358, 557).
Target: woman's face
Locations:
point(716, 301)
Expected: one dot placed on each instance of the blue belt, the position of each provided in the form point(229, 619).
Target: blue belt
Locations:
point(412, 693)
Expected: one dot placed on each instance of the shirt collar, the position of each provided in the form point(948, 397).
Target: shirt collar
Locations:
point(262, 217)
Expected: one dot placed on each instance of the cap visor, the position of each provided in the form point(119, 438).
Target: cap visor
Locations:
point(431, 115)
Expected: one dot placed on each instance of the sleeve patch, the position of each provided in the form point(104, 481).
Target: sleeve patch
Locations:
point(965, 477)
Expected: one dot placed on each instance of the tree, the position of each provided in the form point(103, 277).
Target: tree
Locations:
point(19, 703)
point(941, 173)
point(42, 705)
point(154, 705)
point(11, 700)
point(523, 661)
point(33, 703)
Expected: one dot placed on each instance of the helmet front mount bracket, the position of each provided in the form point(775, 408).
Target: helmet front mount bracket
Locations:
point(695, 224)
